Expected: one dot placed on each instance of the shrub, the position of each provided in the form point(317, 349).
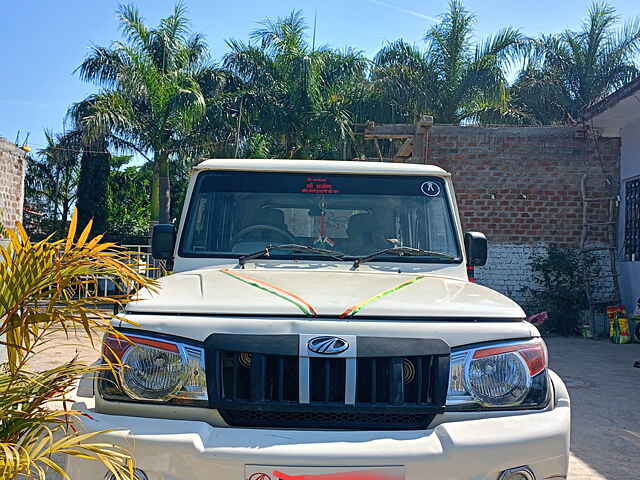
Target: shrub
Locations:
point(561, 276)
point(39, 285)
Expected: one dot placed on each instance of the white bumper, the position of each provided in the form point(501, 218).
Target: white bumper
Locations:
point(476, 449)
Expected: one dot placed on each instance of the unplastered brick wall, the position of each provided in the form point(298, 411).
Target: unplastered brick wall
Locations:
point(12, 171)
point(521, 187)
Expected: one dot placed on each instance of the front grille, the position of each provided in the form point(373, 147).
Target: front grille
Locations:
point(264, 381)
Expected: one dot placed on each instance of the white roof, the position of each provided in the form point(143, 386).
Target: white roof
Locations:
point(320, 166)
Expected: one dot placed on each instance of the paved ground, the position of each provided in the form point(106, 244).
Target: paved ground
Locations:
point(605, 401)
point(605, 397)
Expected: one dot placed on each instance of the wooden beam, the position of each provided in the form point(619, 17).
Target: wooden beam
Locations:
point(420, 139)
point(404, 152)
point(378, 149)
point(399, 130)
point(416, 136)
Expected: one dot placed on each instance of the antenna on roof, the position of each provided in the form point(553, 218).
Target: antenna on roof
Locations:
point(315, 22)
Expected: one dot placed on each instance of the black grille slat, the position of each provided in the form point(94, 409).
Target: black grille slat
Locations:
point(327, 381)
point(258, 377)
point(430, 369)
point(281, 378)
point(374, 378)
point(419, 379)
point(236, 374)
point(327, 377)
point(396, 384)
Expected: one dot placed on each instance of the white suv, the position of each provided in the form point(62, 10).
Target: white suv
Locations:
point(320, 325)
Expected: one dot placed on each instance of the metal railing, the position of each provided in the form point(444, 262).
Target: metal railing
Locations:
point(137, 256)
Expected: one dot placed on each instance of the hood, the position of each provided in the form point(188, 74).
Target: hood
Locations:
point(321, 293)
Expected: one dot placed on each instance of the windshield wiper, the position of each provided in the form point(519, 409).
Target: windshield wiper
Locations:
point(408, 251)
point(289, 246)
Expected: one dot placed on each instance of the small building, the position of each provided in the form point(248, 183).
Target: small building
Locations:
point(12, 174)
point(618, 116)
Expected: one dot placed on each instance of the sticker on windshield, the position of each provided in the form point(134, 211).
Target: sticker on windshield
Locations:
point(319, 185)
point(430, 188)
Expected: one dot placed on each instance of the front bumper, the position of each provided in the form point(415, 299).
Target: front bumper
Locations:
point(474, 449)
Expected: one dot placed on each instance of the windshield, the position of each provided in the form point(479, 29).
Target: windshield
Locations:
point(237, 213)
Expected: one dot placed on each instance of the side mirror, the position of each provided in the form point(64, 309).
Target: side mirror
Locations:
point(475, 244)
point(163, 240)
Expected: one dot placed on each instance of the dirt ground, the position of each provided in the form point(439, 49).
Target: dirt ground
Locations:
point(605, 399)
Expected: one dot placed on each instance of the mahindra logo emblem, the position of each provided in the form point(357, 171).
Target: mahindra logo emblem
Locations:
point(327, 345)
point(259, 476)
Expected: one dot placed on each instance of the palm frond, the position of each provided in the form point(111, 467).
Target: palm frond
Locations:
point(133, 27)
point(283, 34)
point(40, 284)
point(103, 66)
point(176, 26)
point(507, 46)
point(584, 65)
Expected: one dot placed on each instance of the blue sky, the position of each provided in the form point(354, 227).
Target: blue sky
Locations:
point(43, 41)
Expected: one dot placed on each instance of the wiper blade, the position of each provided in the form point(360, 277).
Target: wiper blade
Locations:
point(289, 246)
point(408, 251)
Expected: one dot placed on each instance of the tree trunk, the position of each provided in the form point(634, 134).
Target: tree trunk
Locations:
point(155, 194)
point(95, 165)
point(162, 160)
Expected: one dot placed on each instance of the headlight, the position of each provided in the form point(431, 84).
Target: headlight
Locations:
point(155, 370)
point(512, 374)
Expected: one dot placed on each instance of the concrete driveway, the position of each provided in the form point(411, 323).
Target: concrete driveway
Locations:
point(605, 404)
point(605, 398)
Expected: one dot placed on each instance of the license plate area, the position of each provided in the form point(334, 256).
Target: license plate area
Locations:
point(279, 472)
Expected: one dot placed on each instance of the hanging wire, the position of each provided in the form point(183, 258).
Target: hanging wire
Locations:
point(83, 150)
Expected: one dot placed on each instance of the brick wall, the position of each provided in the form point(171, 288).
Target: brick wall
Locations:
point(12, 171)
point(521, 187)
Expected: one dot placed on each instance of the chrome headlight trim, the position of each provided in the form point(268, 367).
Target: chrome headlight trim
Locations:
point(467, 400)
point(190, 386)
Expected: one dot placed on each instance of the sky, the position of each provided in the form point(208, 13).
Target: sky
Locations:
point(43, 41)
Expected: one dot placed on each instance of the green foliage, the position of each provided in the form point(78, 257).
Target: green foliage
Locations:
point(51, 183)
point(39, 282)
point(561, 276)
point(129, 199)
point(153, 94)
point(257, 145)
point(452, 79)
point(92, 186)
point(567, 72)
point(180, 175)
point(301, 97)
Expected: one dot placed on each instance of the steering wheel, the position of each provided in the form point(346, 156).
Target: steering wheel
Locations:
point(251, 228)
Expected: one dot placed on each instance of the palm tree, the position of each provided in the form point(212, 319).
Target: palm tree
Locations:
point(452, 80)
point(567, 72)
point(153, 100)
point(403, 83)
point(300, 96)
